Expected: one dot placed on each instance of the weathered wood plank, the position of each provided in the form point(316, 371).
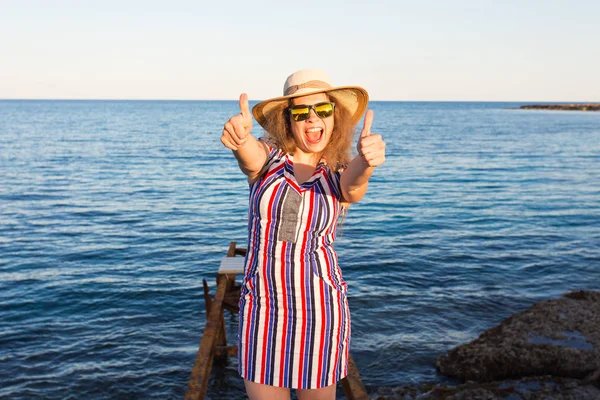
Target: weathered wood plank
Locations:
point(231, 251)
point(198, 382)
point(226, 351)
point(352, 384)
point(207, 298)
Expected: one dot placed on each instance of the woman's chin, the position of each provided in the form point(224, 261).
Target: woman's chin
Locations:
point(314, 147)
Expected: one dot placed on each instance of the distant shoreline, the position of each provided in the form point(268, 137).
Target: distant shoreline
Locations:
point(563, 107)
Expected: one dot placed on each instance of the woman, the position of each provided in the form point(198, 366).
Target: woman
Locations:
point(294, 321)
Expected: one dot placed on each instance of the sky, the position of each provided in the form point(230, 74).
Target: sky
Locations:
point(485, 50)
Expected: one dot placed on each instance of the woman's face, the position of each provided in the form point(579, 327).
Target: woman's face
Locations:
point(313, 134)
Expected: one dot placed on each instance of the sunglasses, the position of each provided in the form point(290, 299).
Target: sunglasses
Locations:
point(301, 112)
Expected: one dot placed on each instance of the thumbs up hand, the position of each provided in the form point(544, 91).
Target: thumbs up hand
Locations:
point(237, 130)
point(371, 147)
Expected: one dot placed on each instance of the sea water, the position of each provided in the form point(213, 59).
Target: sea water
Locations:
point(112, 213)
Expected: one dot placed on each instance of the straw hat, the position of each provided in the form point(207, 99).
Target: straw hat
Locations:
point(311, 81)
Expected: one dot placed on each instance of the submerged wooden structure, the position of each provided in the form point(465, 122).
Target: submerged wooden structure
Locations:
point(214, 340)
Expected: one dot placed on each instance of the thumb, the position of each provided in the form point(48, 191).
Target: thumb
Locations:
point(366, 131)
point(245, 109)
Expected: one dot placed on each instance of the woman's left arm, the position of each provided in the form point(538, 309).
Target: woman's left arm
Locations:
point(371, 153)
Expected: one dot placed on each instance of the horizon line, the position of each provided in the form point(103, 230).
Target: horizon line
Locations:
point(253, 100)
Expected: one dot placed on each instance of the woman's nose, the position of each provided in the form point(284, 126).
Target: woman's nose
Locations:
point(312, 115)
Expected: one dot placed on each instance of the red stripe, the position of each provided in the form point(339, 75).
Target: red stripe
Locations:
point(247, 344)
point(274, 170)
point(322, 341)
point(342, 314)
point(284, 334)
point(304, 334)
point(291, 181)
point(346, 350)
point(303, 331)
point(294, 185)
point(340, 329)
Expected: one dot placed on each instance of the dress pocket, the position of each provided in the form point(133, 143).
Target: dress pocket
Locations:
point(331, 275)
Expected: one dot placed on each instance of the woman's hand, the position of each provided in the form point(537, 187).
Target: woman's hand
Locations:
point(250, 153)
point(371, 153)
point(237, 130)
point(370, 147)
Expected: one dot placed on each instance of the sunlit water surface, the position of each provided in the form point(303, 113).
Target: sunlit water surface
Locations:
point(112, 212)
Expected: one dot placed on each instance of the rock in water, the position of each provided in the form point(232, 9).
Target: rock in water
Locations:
point(563, 107)
point(532, 388)
point(559, 337)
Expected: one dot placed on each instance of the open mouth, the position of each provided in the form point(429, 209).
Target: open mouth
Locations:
point(314, 135)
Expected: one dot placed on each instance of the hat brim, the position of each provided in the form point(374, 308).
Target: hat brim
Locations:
point(354, 98)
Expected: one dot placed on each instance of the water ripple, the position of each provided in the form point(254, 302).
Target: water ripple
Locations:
point(111, 213)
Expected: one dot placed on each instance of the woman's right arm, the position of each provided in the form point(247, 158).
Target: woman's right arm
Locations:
point(250, 153)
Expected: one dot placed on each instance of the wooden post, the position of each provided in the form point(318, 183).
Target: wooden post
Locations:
point(231, 251)
point(198, 382)
point(352, 384)
point(221, 334)
point(207, 298)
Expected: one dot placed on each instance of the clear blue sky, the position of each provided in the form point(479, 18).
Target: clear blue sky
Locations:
point(525, 50)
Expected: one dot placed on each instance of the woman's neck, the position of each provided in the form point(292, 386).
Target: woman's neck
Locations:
point(312, 159)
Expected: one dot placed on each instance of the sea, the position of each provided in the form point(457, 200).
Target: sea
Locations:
point(113, 212)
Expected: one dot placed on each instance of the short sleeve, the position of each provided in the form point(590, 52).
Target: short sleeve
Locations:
point(273, 156)
point(335, 178)
point(270, 145)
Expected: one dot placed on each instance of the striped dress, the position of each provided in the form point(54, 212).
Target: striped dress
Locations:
point(294, 328)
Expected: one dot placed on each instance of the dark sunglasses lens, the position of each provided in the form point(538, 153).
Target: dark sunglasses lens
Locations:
point(324, 110)
point(300, 114)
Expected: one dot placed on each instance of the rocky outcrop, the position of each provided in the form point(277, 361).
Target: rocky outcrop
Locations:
point(532, 388)
point(564, 107)
point(558, 337)
point(549, 351)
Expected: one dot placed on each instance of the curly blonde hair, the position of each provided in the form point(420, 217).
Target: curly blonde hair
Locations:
point(337, 152)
